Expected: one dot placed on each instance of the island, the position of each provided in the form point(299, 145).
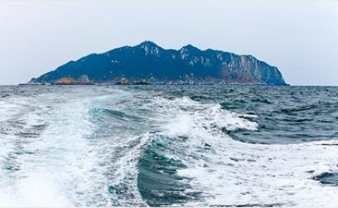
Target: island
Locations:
point(148, 63)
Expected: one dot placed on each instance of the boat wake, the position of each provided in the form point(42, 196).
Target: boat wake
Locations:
point(127, 147)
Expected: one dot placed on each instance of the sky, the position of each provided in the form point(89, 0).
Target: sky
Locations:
point(299, 37)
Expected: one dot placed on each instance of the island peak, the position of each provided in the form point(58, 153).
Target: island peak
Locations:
point(190, 47)
point(148, 44)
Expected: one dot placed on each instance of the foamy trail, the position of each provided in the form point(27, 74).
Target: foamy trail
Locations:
point(86, 147)
point(71, 150)
point(44, 150)
point(49, 159)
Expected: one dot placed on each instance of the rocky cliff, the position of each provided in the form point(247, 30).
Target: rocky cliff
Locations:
point(148, 61)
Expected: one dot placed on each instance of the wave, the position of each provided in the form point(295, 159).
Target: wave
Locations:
point(125, 147)
point(208, 167)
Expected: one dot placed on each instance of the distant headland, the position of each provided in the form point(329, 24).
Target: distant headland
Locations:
point(148, 63)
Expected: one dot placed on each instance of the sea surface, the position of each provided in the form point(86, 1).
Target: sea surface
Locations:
point(168, 146)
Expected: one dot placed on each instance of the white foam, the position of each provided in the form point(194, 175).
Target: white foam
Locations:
point(236, 173)
point(60, 162)
point(66, 164)
point(42, 190)
point(185, 114)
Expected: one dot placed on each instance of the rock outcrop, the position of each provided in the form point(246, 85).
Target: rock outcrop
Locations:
point(84, 79)
point(66, 81)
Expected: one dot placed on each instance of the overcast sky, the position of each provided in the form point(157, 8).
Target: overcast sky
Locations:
point(299, 37)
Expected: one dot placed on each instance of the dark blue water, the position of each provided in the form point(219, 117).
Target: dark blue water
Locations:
point(168, 146)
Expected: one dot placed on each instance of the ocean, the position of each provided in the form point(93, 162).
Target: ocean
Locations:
point(191, 145)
